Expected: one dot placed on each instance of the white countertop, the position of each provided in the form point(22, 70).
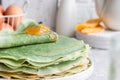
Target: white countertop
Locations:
point(101, 60)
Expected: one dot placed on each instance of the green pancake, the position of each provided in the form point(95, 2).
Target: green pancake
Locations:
point(20, 75)
point(44, 53)
point(10, 38)
point(41, 55)
point(44, 59)
point(13, 64)
point(48, 70)
point(13, 40)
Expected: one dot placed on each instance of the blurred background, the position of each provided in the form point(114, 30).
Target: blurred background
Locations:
point(46, 10)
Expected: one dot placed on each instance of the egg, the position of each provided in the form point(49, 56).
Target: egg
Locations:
point(1, 9)
point(14, 10)
point(6, 25)
point(1, 20)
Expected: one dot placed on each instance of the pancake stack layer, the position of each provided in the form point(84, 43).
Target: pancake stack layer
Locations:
point(60, 57)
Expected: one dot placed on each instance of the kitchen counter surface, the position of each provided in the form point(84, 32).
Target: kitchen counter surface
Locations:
point(101, 60)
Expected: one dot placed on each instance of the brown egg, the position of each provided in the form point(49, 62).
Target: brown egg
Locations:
point(6, 25)
point(1, 20)
point(1, 9)
point(14, 10)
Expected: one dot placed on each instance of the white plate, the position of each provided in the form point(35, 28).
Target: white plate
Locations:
point(79, 76)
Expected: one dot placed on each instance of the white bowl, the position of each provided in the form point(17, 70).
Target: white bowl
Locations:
point(97, 40)
point(79, 76)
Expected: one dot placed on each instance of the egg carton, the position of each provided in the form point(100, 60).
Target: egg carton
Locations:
point(11, 20)
point(12, 16)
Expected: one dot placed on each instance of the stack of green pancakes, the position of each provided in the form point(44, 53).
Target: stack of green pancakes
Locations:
point(60, 57)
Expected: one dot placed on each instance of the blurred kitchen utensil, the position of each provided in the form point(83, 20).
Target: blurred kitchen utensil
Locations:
point(66, 18)
point(109, 11)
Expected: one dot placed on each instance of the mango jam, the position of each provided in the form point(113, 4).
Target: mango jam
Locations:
point(37, 30)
